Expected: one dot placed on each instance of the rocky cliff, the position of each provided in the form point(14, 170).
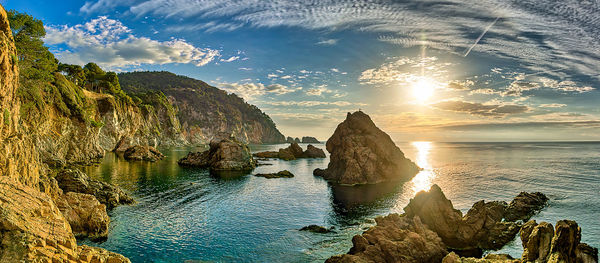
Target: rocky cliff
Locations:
point(32, 228)
point(205, 112)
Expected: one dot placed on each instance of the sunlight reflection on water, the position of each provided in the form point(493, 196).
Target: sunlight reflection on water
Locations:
point(423, 180)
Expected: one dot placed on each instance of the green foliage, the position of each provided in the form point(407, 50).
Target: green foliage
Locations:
point(35, 61)
point(95, 123)
point(98, 80)
point(73, 73)
point(6, 117)
point(71, 96)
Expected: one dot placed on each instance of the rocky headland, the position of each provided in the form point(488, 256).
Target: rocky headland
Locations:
point(361, 153)
point(308, 139)
point(431, 230)
point(223, 155)
point(293, 152)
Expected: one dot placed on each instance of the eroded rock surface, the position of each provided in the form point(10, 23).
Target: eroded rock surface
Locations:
point(73, 180)
point(226, 154)
point(86, 216)
point(361, 153)
point(142, 153)
point(313, 152)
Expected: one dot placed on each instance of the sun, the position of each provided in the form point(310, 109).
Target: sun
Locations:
point(423, 89)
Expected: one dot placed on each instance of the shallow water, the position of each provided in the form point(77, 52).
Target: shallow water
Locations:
point(189, 215)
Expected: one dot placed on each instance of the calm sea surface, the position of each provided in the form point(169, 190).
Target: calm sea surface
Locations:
point(189, 215)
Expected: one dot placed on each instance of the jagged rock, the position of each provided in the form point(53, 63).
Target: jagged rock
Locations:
point(313, 152)
point(226, 154)
point(32, 229)
point(289, 139)
point(315, 229)
point(296, 140)
point(524, 206)
point(142, 153)
point(280, 174)
point(308, 139)
point(293, 152)
point(490, 258)
point(542, 243)
point(86, 216)
point(480, 229)
point(73, 180)
point(361, 153)
point(395, 238)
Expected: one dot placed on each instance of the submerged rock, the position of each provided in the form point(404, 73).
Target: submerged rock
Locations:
point(143, 153)
point(316, 229)
point(73, 180)
point(361, 153)
point(226, 154)
point(86, 216)
point(308, 139)
point(280, 174)
point(293, 152)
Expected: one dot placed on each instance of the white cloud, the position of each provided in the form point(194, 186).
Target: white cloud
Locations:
point(111, 44)
point(313, 103)
point(552, 105)
point(231, 59)
point(318, 90)
point(249, 91)
point(328, 42)
point(335, 70)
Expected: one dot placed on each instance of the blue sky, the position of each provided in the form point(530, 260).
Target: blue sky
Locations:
point(441, 70)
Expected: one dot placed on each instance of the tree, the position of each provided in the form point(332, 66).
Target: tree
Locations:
point(74, 73)
point(36, 62)
point(93, 75)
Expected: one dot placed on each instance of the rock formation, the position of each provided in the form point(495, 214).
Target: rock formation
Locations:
point(308, 139)
point(32, 228)
point(73, 180)
point(280, 174)
point(430, 227)
point(226, 154)
point(293, 152)
point(86, 216)
point(143, 153)
point(524, 205)
point(363, 154)
point(289, 140)
point(316, 229)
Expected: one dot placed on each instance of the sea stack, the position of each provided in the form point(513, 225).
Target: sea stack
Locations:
point(224, 155)
point(361, 153)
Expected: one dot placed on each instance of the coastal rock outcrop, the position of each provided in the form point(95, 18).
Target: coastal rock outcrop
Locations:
point(226, 154)
point(73, 180)
point(280, 174)
point(542, 243)
point(316, 229)
point(142, 153)
point(293, 152)
point(395, 238)
point(430, 227)
point(524, 205)
point(361, 153)
point(308, 139)
point(86, 216)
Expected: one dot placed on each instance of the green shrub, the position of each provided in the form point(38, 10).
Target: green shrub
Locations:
point(6, 117)
point(95, 123)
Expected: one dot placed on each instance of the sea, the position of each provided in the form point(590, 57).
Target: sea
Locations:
point(189, 215)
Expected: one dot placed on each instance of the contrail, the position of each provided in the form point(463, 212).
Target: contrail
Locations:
point(481, 36)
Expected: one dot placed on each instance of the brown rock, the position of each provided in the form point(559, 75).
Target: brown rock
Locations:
point(565, 241)
point(524, 205)
point(226, 154)
point(32, 229)
point(586, 253)
point(363, 154)
point(490, 258)
point(536, 240)
point(315, 229)
point(143, 153)
point(280, 174)
point(286, 154)
point(308, 139)
point(395, 238)
point(86, 216)
point(313, 152)
point(73, 180)
point(268, 154)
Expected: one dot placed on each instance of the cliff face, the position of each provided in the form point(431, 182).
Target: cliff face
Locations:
point(205, 112)
point(32, 228)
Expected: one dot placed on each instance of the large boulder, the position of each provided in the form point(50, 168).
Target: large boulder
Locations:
point(33, 229)
point(142, 153)
point(313, 152)
point(86, 216)
point(395, 238)
point(226, 155)
point(308, 139)
point(73, 180)
point(524, 205)
point(361, 153)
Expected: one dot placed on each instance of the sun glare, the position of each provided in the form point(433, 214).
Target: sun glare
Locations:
point(423, 89)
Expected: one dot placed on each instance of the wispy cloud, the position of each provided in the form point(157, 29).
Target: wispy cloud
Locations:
point(249, 90)
point(480, 109)
point(328, 42)
point(231, 59)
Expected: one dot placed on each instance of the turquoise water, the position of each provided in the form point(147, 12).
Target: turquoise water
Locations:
point(189, 215)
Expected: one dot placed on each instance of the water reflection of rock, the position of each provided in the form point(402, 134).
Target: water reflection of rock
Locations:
point(354, 203)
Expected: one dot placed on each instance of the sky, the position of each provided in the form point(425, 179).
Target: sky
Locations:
point(442, 70)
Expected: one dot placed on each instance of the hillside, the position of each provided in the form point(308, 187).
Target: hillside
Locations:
point(205, 112)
